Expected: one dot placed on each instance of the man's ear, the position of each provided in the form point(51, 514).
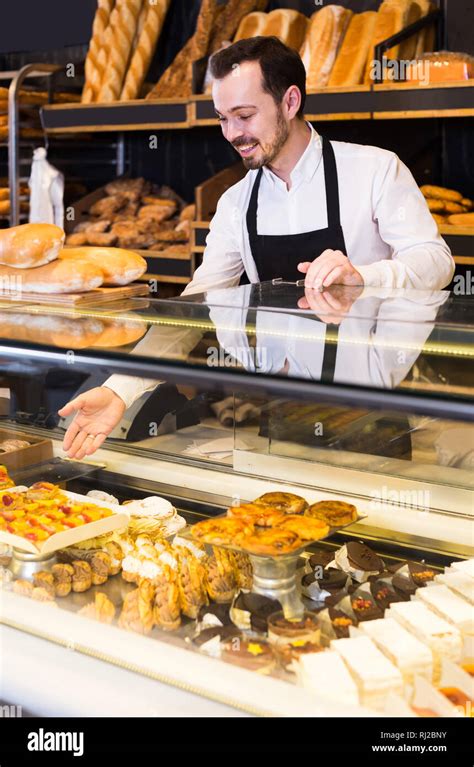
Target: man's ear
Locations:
point(292, 101)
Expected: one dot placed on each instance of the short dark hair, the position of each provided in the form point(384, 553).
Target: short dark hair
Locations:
point(281, 66)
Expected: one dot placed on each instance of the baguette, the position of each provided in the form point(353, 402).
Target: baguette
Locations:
point(439, 219)
point(65, 332)
point(117, 266)
point(30, 245)
point(99, 66)
point(101, 20)
point(324, 37)
point(119, 50)
point(288, 25)
point(144, 50)
point(57, 277)
point(251, 25)
point(467, 203)
point(352, 57)
point(462, 219)
point(440, 193)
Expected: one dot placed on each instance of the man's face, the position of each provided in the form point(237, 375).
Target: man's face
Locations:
point(251, 120)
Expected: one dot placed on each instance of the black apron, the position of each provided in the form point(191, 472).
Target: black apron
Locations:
point(279, 255)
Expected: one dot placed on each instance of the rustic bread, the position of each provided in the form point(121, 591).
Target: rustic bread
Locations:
point(30, 245)
point(118, 266)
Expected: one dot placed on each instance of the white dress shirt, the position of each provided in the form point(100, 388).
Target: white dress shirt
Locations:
point(390, 235)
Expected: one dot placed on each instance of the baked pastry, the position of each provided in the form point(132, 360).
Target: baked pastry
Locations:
point(42, 594)
point(254, 514)
point(318, 588)
point(289, 654)
point(221, 531)
point(108, 205)
point(271, 542)
point(62, 574)
point(306, 528)
point(157, 212)
point(115, 553)
point(250, 654)
point(288, 503)
point(145, 602)
point(440, 193)
point(23, 587)
point(220, 575)
point(191, 584)
point(130, 616)
point(243, 570)
point(100, 565)
point(166, 607)
point(282, 631)
point(56, 277)
point(359, 561)
point(101, 609)
point(82, 577)
point(251, 611)
point(334, 513)
point(9, 445)
point(44, 580)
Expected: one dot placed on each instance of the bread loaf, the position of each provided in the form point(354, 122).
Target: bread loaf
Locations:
point(425, 41)
point(120, 333)
point(227, 22)
point(324, 37)
point(101, 20)
point(50, 330)
point(392, 16)
point(4, 194)
point(440, 193)
point(57, 277)
point(351, 60)
point(462, 219)
point(30, 245)
point(99, 64)
point(288, 25)
point(144, 50)
point(119, 50)
point(118, 266)
point(251, 25)
point(407, 48)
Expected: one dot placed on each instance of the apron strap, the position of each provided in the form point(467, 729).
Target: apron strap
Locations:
point(332, 186)
point(252, 208)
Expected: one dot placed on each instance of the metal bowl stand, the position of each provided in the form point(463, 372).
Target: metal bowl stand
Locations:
point(276, 578)
point(24, 564)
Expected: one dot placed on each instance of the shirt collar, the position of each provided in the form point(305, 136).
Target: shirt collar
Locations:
point(306, 166)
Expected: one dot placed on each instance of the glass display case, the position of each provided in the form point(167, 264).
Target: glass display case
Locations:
point(359, 396)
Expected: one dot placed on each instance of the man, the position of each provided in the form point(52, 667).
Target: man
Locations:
point(333, 212)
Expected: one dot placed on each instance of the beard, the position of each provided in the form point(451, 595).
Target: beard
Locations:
point(269, 151)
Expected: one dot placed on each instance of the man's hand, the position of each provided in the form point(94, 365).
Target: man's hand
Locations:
point(331, 306)
point(98, 413)
point(332, 267)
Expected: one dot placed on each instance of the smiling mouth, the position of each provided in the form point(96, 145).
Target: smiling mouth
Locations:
point(246, 149)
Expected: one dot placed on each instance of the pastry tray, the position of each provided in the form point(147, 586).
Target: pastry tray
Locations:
point(187, 533)
point(69, 537)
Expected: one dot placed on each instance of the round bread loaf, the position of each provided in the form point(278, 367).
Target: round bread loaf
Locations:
point(57, 277)
point(30, 245)
point(118, 266)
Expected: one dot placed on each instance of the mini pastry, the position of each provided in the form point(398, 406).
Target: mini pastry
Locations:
point(192, 585)
point(384, 593)
point(289, 654)
point(321, 558)
point(44, 580)
point(318, 588)
point(23, 587)
point(221, 531)
point(130, 616)
point(42, 594)
point(271, 542)
point(220, 576)
point(250, 654)
point(358, 561)
point(402, 648)
point(100, 565)
point(243, 570)
point(364, 607)
point(101, 609)
point(62, 574)
point(251, 611)
point(145, 603)
point(6, 577)
point(334, 513)
point(335, 624)
point(166, 606)
point(82, 578)
point(288, 503)
point(254, 514)
point(307, 529)
point(283, 631)
point(449, 606)
point(115, 553)
point(101, 495)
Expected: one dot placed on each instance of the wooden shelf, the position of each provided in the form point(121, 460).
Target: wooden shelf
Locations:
point(381, 102)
